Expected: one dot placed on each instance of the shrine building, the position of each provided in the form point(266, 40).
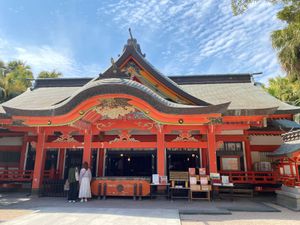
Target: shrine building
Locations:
point(134, 121)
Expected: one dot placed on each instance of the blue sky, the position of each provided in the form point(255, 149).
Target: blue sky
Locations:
point(78, 37)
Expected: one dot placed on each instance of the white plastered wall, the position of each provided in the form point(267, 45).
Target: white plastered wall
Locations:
point(265, 140)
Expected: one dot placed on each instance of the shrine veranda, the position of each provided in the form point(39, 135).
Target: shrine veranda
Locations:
point(132, 121)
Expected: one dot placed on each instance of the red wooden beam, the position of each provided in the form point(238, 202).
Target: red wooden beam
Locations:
point(221, 127)
point(231, 138)
point(11, 148)
point(183, 144)
point(281, 116)
point(264, 148)
point(274, 132)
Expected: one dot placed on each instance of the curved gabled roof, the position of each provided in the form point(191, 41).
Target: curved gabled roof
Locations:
point(132, 50)
point(111, 86)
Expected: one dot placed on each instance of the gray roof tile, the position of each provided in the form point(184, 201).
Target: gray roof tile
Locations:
point(241, 95)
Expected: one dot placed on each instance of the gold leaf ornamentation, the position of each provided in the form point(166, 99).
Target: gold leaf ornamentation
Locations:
point(65, 138)
point(185, 136)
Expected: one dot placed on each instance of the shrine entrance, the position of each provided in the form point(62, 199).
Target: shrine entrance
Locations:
point(130, 162)
point(181, 159)
point(73, 157)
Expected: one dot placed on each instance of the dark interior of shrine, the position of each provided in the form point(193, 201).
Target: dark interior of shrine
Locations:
point(182, 159)
point(130, 163)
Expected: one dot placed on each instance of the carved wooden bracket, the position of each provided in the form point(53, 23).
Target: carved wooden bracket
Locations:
point(124, 136)
point(185, 136)
point(65, 138)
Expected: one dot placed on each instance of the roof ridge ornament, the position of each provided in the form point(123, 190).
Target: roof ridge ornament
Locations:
point(131, 37)
point(114, 66)
point(132, 42)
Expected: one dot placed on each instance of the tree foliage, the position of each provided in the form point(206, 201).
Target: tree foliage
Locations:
point(287, 40)
point(285, 90)
point(240, 6)
point(15, 78)
point(51, 74)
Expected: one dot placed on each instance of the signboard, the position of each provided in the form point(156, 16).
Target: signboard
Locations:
point(230, 163)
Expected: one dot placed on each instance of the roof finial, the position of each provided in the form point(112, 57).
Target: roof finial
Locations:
point(131, 37)
point(114, 66)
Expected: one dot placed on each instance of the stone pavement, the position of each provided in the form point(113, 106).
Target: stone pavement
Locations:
point(93, 216)
point(33, 210)
point(284, 217)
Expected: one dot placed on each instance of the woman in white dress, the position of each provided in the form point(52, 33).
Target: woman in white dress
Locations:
point(85, 178)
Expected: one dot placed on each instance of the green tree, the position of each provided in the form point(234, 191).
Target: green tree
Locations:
point(285, 90)
point(15, 79)
point(287, 40)
point(47, 74)
point(240, 6)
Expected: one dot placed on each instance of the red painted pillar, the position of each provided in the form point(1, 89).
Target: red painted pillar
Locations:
point(87, 148)
point(39, 162)
point(204, 158)
point(248, 155)
point(211, 141)
point(100, 162)
point(61, 161)
point(161, 159)
point(23, 153)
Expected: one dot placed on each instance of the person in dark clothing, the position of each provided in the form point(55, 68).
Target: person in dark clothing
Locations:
point(73, 177)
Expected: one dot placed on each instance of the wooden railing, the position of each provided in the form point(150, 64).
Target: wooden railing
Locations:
point(25, 175)
point(252, 177)
point(16, 175)
point(290, 180)
point(51, 174)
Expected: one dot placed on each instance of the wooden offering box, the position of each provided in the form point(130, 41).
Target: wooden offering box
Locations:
point(121, 186)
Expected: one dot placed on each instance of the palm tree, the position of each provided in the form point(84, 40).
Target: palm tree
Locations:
point(287, 41)
point(52, 74)
point(15, 80)
point(285, 90)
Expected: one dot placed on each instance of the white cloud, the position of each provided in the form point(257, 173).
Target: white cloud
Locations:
point(200, 31)
point(47, 58)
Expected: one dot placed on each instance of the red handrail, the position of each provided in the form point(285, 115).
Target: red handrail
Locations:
point(16, 175)
point(251, 177)
point(25, 175)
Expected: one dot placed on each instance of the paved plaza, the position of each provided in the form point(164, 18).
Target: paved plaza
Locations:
point(18, 209)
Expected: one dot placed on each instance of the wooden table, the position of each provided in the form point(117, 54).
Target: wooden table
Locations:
point(174, 189)
point(222, 190)
point(207, 196)
point(154, 192)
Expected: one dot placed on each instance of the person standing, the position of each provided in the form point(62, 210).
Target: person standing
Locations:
point(85, 178)
point(73, 178)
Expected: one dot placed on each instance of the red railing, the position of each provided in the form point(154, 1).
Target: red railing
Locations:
point(251, 177)
point(25, 175)
point(51, 174)
point(16, 175)
point(290, 180)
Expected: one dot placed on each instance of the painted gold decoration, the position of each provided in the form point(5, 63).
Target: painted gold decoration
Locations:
point(124, 136)
point(65, 138)
point(215, 120)
point(147, 126)
point(102, 125)
point(114, 108)
point(185, 136)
